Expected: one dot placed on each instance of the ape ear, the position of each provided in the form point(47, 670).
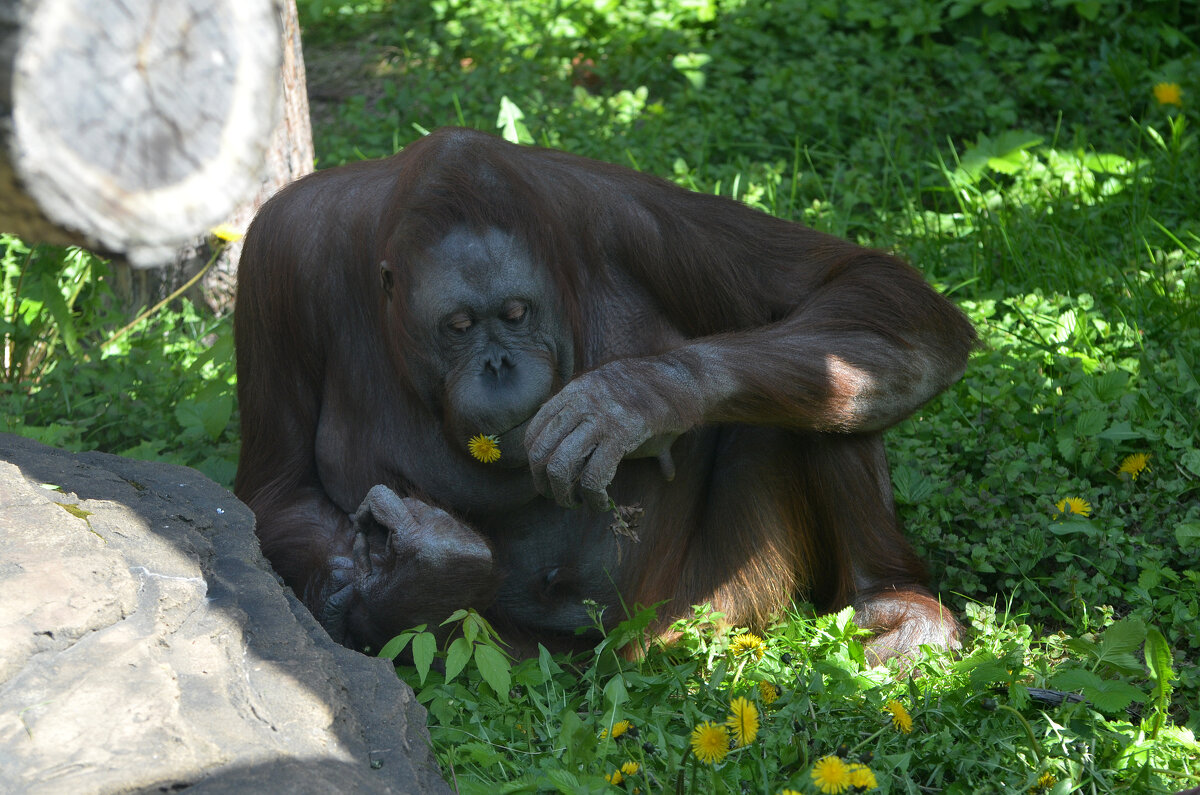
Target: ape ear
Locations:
point(385, 277)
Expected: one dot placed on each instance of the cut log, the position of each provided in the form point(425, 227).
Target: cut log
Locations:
point(289, 157)
point(132, 126)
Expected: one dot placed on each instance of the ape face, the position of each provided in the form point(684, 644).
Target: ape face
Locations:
point(486, 317)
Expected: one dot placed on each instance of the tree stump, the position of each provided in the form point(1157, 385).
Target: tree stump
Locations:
point(132, 126)
point(289, 157)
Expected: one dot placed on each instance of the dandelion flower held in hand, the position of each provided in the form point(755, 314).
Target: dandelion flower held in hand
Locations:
point(1134, 465)
point(748, 645)
point(900, 717)
point(710, 743)
point(1168, 94)
point(831, 774)
point(743, 721)
point(1074, 506)
point(485, 448)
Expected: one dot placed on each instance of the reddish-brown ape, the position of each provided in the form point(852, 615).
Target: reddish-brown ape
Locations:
point(723, 373)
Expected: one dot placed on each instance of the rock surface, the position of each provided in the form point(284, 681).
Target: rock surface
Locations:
point(146, 646)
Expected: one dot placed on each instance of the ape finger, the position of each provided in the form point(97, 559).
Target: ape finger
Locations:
point(550, 425)
point(541, 449)
point(564, 468)
point(361, 553)
point(422, 514)
point(600, 470)
point(384, 507)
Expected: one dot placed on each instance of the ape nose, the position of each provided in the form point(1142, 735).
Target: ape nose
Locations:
point(497, 362)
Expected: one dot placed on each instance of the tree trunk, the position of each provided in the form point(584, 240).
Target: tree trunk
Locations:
point(289, 157)
point(131, 126)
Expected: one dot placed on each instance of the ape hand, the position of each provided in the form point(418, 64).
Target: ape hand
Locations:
point(621, 410)
point(411, 563)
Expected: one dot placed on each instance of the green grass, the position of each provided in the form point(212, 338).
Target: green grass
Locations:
point(982, 722)
point(1012, 149)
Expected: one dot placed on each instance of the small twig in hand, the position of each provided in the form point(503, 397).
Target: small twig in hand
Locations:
point(625, 520)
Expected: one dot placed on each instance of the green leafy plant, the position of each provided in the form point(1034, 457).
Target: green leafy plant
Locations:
point(478, 643)
point(77, 374)
point(724, 710)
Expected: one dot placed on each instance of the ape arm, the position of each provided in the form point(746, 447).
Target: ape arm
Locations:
point(369, 573)
point(310, 543)
point(789, 328)
point(859, 353)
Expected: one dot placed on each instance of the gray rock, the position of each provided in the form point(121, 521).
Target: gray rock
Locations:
point(146, 646)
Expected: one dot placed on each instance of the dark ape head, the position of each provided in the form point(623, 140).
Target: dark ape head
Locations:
point(486, 323)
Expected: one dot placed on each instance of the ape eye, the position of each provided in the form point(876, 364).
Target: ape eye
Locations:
point(459, 323)
point(515, 313)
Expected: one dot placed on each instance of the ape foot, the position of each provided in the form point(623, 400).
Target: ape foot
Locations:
point(903, 621)
point(392, 531)
point(412, 564)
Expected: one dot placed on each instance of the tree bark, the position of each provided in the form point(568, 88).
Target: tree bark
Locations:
point(289, 157)
point(132, 126)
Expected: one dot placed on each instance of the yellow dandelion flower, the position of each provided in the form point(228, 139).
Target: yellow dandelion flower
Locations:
point(768, 692)
point(1168, 94)
point(1044, 782)
point(1074, 506)
point(630, 768)
point(1134, 465)
point(831, 774)
point(900, 717)
point(226, 233)
point(710, 742)
point(743, 721)
point(861, 777)
point(619, 728)
point(748, 645)
point(615, 778)
point(789, 792)
point(484, 447)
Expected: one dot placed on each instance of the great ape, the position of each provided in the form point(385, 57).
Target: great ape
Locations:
point(626, 342)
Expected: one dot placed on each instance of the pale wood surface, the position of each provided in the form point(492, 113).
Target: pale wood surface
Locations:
point(135, 125)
